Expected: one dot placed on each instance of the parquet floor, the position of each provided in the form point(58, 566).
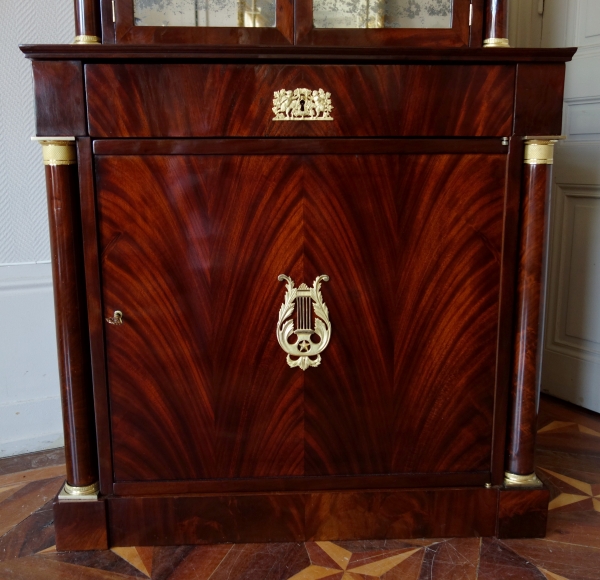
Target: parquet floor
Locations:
point(568, 460)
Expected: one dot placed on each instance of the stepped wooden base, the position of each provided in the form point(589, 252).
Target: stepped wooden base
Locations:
point(297, 517)
point(80, 525)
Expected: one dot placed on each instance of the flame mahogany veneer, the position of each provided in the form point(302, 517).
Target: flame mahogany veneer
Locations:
point(193, 200)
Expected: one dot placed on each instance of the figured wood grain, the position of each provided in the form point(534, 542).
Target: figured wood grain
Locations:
point(401, 514)
point(371, 101)
point(80, 525)
point(522, 513)
point(294, 517)
point(526, 372)
point(195, 371)
point(71, 324)
point(206, 519)
point(448, 264)
point(192, 261)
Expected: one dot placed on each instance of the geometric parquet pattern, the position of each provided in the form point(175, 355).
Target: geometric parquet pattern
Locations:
point(568, 461)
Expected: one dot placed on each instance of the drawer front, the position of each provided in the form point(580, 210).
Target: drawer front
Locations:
point(193, 100)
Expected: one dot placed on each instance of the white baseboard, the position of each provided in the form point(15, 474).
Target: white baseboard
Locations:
point(38, 443)
point(30, 415)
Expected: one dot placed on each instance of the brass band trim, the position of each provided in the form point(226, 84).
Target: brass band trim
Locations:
point(92, 489)
point(540, 151)
point(58, 151)
point(87, 39)
point(496, 43)
point(515, 480)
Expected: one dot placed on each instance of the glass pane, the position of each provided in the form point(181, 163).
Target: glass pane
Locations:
point(382, 13)
point(236, 13)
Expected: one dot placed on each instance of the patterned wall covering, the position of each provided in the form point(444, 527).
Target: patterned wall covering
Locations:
point(23, 217)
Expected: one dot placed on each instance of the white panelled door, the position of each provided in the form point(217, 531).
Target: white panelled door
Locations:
point(571, 363)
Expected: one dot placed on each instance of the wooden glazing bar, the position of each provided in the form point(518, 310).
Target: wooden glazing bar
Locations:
point(87, 22)
point(71, 316)
point(523, 418)
point(496, 24)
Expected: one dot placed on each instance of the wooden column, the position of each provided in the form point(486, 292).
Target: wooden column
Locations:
point(530, 291)
point(60, 159)
point(87, 22)
point(496, 24)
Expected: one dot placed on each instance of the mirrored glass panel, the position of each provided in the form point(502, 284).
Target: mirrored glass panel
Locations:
point(234, 13)
point(382, 13)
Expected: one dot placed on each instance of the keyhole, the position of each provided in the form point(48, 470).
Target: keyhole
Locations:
point(302, 105)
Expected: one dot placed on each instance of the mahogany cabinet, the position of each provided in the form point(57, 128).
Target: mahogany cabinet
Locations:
point(297, 288)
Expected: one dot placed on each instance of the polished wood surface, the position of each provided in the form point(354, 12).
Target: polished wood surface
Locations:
point(87, 18)
point(371, 101)
point(303, 483)
point(476, 29)
point(316, 146)
point(525, 388)
point(195, 391)
point(80, 525)
point(71, 324)
point(522, 513)
point(456, 36)
point(94, 305)
point(539, 99)
point(293, 54)
point(507, 299)
point(320, 516)
point(59, 99)
point(496, 19)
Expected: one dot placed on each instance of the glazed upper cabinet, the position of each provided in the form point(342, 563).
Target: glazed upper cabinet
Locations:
point(432, 23)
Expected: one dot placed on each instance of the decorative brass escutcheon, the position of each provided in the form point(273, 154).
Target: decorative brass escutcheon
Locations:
point(116, 318)
point(302, 105)
point(304, 352)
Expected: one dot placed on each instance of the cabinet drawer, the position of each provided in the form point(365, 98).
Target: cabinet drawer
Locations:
point(195, 100)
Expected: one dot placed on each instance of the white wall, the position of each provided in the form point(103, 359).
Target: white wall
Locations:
point(29, 393)
point(571, 368)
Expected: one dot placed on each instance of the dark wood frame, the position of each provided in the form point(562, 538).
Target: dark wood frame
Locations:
point(127, 33)
point(457, 36)
point(295, 26)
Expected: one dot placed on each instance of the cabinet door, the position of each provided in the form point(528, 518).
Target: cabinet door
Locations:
point(217, 22)
point(192, 246)
point(432, 23)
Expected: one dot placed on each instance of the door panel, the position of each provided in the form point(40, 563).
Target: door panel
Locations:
point(200, 388)
point(450, 240)
point(192, 261)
